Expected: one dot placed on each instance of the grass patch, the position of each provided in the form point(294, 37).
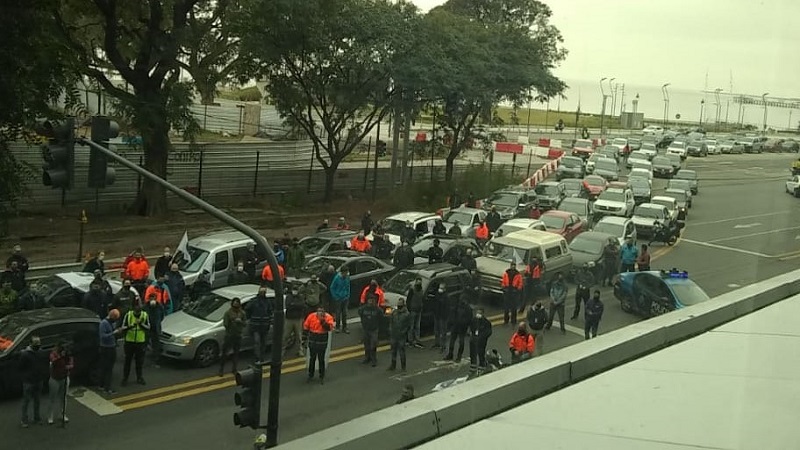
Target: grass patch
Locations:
point(248, 94)
point(543, 118)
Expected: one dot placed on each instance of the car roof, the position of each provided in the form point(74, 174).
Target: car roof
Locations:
point(661, 197)
point(521, 222)
point(689, 171)
point(82, 280)
point(557, 213)
point(675, 191)
point(412, 216)
point(467, 210)
point(615, 189)
point(615, 220)
point(45, 315)
point(442, 237)
point(241, 291)
point(595, 236)
point(346, 254)
point(651, 205)
point(331, 234)
point(426, 270)
point(524, 237)
point(214, 240)
point(575, 200)
point(549, 183)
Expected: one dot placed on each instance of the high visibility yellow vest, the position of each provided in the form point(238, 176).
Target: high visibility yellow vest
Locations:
point(136, 333)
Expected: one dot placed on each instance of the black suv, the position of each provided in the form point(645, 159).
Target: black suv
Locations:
point(455, 279)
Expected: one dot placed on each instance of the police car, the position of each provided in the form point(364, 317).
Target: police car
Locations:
point(653, 293)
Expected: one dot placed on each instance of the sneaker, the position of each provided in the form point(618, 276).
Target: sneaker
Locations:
point(66, 419)
point(24, 424)
point(418, 345)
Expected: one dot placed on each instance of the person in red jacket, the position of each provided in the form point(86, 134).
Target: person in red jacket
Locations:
point(316, 330)
point(138, 271)
point(360, 243)
point(266, 274)
point(482, 233)
point(373, 288)
point(522, 344)
point(512, 290)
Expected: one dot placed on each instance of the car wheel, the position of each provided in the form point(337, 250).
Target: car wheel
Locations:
point(625, 304)
point(207, 354)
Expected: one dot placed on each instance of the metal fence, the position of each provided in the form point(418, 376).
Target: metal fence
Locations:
point(229, 117)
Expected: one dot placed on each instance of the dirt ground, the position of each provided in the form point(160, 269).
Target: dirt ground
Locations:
point(55, 239)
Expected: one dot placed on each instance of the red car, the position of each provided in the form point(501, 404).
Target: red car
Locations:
point(583, 148)
point(566, 224)
point(595, 184)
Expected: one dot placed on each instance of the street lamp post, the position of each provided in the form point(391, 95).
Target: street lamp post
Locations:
point(718, 104)
point(613, 89)
point(636, 104)
point(603, 110)
point(764, 99)
point(702, 107)
point(666, 102)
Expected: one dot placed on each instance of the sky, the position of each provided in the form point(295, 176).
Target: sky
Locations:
point(652, 42)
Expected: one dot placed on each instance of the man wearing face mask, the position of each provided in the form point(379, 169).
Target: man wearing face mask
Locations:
point(124, 299)
point(480, 329)
point(295, 312)
point(459, 324)
point(136, 324)
point(403, 256)
point(259, 315)
point(96, 263)
point(239, 276)
point(163, 262)
point(105, 286)
point(415, 299)
point(316, 332)
point(155, 314)
point(399, 325)
point(251, 261)
point(370, 315)
point(593, 314)
point(176, 286)
point(234, 322)
point(138, 271)
point(33, 369)
point(537, 319)
point(441, 312)
point(160, 289)
point(96, 300)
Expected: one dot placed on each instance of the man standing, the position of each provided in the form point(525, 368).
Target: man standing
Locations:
point(176, 286)
point(108, 349)
point(537, 319)
point(295, 256)
point(367, 223)
point(163, 263)
point(409, 234)
point(251, 261)
point(19, 258)
point(468, 261)
point(643, 261)
point(340, 298)
point(610, 263)
point(594, 312)
point(512, 290)
point(629, 253)
point(399, 325)
point(435, 253)
point(124, 299)
point(312, 292)
point(259, 316)
point(441, 312)
point(404, 256)
point(558, 297)
point(138, 271)
point(316, 328)
point(96, 301)
point(136, 325)
point(160, 289)
point(415, 299)
point(155, 314)
point(239, 276)
point(234, 322)
point(33, 371)
point(8, 298)
point(482, 234)
point(360, 243)
point(326, 279)
point(459, 324)
point(480, 330)
point(370, 322)
point(295, 313)
point(493, 220)
point(583, 285)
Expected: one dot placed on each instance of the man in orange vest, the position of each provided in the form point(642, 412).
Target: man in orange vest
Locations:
point(532, 277)
point(316, 329)
point(138, 271)
point(266, 275)
point(159, 290)
point(512, 290)
point(360, 243)
point(482, 233)
point(375, 289)
point(522, 344)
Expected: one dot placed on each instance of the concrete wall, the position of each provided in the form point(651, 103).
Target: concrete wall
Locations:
point(426, 418)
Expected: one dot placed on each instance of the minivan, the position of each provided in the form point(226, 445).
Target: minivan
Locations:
point(224, 248)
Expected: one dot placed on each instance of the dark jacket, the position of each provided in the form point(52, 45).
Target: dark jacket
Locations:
point(105, 286)
point(259, 311)
point(16, 278)
point(95, 264)
point(493, 221)
point(250, 262)
point(22, 262)
point(295, 307)
point(236, 278)
point(162, 266)
point(97, 302)
point(468, 262)
point(177, 289)
point(480, 329)
point(409, 235)
point(439, 228)
point(404, 257)
point(370, 317)
point(461, 316)
point(594, 310)
point(381, 247)
point(537, 318)
point(455, 230)
point(442, 306)
point(33, 366)
point(234, 322)
point(123, 300)
point(435, 254)
point(366, 224)
point(415, 298)
point(400, 323)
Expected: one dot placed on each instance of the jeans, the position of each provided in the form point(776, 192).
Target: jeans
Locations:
point(628, 267)
point(538, 342)
point(581, 296)
point(57, 397)
point(259, 335)
point(232, 342)
point(510, 301)
point(133, 351)
point(31, 393)
point(340, 311)
point(398, 348)
point(413, 331)
point(609, 272)
point(155, 343)
point(459, 334)
point(108, 356)
point(477, 352)
point(556, 309)
point(316, 352)
point(440, 331)
point(296, 326)
point(371, 346)
point(590, 327)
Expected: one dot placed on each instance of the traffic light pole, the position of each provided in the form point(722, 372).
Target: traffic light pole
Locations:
point(264, 250)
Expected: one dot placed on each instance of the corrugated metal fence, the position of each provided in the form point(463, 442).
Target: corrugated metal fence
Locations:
point(229, 118)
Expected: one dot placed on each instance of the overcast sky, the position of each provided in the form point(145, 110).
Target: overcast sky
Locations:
point(651, 42)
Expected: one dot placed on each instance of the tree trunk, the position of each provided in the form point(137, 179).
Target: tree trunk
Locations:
point(330, 178)
point(448, 167)
point(206, 95)
point(152, 199)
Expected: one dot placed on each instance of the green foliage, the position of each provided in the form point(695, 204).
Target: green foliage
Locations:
point(329, 65)
point(248, 94)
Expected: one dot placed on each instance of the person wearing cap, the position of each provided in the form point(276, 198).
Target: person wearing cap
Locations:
point(123, 300)
point(360, 243)
point(234, 322)
point(512, 292)
point(435, 253)
point(415, 299)
point(323, 226)
point(96, 263)
point(108, 333)
point(367, 223)
point(19, 258)
point(439, 228)
point(399, 326)
point(371, 316)
point(342, 225)
point(295, 256)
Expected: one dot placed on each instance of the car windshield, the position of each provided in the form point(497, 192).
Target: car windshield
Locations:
point(604, 164)
point(613, 229)
point(661, 161)
point(11, 327)
point(747, 140)
point(678, 145)
point(637, 155)
point(576, 207)
point(505, 252)
point(546, 189)
point(503, 199)
point(686, 175)
point(45, 287)
point(572, 184)
point(401, 281)
point(458, 216)
point(665, 203)
point(649, 212)
point(711, 142)
point(595, 181)
point(678, 195)
point(553, 222)
point(674, 159)
point(638, 182)
point(688, 292)
point(312, 245)
point(210, 307)
point(319, 264)
point(619, 142)
point(394, 226)
point(648, 146)
point(595, 157)
point(588, 246)
point(197, 262)
point(683, 185)
point(728, 142)
point(612, 195)
point(569, 161)
point(583, 143)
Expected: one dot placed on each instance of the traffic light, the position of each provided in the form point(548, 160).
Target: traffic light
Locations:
point(380, 148)
point(248, 398)
point(58, 153)
point(103, 130)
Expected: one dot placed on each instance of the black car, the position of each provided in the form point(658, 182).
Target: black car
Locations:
point(642, 189)
point(455, 279)
point(571, 167)
point(454, 247)
point(363, 268)
point(587, 251)
point(662, 167)
point(76, 327)
point(324, 242)
point(511, 202)
point(549, 194)
point(62, 290)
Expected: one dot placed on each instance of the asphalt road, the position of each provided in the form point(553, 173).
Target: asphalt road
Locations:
point(741, 229)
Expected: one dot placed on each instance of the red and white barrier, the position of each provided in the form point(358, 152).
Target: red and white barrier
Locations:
point(542, 174)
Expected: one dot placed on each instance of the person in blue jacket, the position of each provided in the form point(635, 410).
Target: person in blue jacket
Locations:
point(340, 298)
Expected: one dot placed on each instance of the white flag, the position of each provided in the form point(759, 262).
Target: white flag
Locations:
point(209, 266)
point(518, 259)
point(183, 247)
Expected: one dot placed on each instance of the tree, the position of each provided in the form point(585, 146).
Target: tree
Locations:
point(35, 74)
point(329, 65)
point(469, 64)
point(141, 42)
point(212, 51)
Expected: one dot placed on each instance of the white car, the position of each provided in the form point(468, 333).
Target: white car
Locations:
point(513, 225)
point(622, 145)
point(641, 173)
point(711, 144)
point(619, 227)
point(668, 202)
point(645, 217)
point(793, 185)
point(649, 149)
point(614, 202)
point(677, 148)
point(591, 161)
point(653, 130)
point(422, 223)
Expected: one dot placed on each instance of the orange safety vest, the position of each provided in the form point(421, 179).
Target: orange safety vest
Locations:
point(378, 292)
point(534, 271)
point(522, 344)
point(313, 324)
point(516, 283)
point(482, 232)
point(360, 245)
point(162, 295)
point(137, 269)
point(266, 274)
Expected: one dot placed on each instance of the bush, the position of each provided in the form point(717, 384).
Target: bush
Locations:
point(250, 94)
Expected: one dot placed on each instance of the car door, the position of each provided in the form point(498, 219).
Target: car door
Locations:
point(630, 203)
point(222, 262)
point(575, 227)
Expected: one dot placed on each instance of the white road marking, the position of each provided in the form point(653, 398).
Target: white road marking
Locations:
point(732, 249)
point(438, 365)
point(576, 330)
point(755, 168)
point(734, 285)
point(754, 216)
point(749, 225)
point(94, 402)
point(762, 233)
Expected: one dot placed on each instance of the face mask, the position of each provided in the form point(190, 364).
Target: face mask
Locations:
point(100, 258)
point(127, 288)
point(152, 303)
point(441, 291)
point(166, 254)
point(240, 269)
point(479, 315)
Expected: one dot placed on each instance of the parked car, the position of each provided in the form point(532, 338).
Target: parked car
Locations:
point(790, 146)
point(455, 280)
point(574, 187)
point(579, 206)
point(642, 189)
point(587, 251)
point(691, 176)
point(610, 151)
point(614, 202)
point(326, 241)
point(653, 293)
point(677, 148)
point(622, 146)
point(730, 146)
point(62, 290)
point(668, 202)
point(363, 268)
point(793, 185)
point(520, 224)
point(454, 248)
point(75, 327)
point(583, 148)
point(650, 149)
point(225, 248)
point(640, 172)
point(751, 144)
point(607, 168)
point(682, 199)
point(511, 202)
point(697, 148)
point(683, 185)
point(635, 144)
point(636, 156)
point(591, 161)
point(549, 194)
point(467, 218)
point(662, 167)
point(621, 228)
point(711, 145)
point(675, 160)
point(563, 223)
point(645, 217)
point(570, 167)
point(595, 184)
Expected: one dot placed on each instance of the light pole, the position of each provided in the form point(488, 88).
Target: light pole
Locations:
point(603, 110)
point(666, 102)
point(702, 106)
point(636, 104)
point(613, 89)
point(718, 105)
point(790, 120)
point(764, 99)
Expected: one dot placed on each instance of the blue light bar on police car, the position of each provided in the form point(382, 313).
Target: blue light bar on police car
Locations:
point(676, 274)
